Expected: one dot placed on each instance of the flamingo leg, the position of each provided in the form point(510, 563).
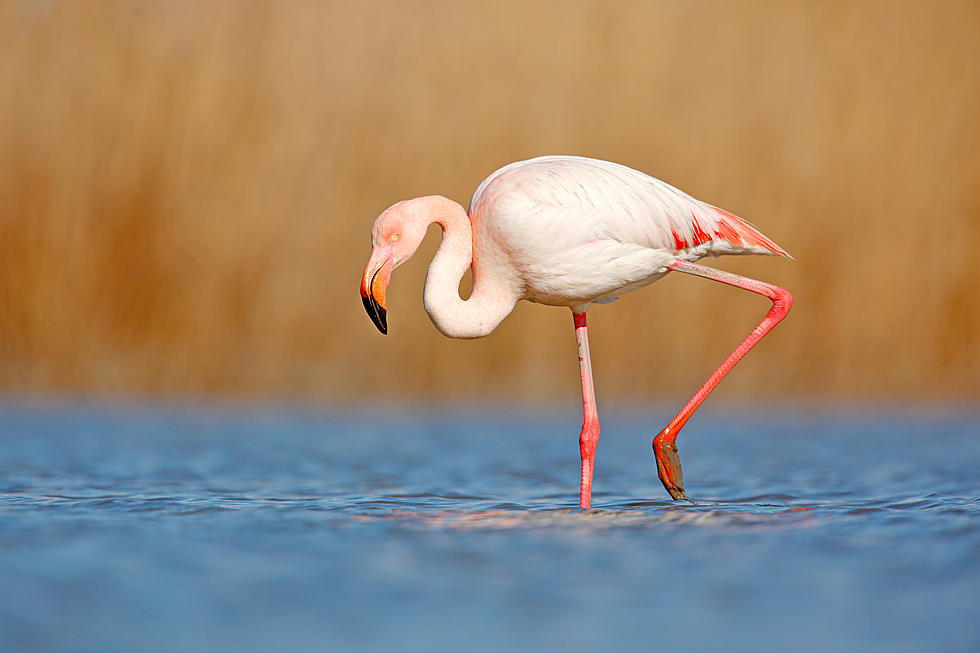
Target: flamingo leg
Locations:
point(664, 446)
point(590, 417)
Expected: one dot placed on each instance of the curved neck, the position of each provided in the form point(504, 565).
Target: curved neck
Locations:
point(491, 300)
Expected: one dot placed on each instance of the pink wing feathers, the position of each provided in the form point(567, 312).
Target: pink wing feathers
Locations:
point(717, 225)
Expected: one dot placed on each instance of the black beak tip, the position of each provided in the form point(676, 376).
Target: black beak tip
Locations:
point(377, 314)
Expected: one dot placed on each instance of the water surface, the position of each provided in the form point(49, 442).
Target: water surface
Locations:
point(156, 528)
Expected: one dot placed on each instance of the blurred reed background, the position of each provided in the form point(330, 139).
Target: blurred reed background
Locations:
point(187, 189)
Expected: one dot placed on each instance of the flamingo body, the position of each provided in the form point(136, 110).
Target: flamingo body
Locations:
point(566, 231)
point(575, 230)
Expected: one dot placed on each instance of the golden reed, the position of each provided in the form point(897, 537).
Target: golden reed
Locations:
point(186, 191)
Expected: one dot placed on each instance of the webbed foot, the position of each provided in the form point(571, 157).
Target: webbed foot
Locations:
point(669, 467)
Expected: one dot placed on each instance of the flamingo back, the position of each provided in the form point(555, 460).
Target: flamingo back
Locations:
point(570, 200)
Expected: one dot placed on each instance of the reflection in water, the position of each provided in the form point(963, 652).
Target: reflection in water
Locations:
point(598, 519)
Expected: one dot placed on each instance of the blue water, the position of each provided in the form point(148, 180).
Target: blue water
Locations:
point(150, 528)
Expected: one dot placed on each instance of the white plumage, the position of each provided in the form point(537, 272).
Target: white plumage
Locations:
point(579, 230)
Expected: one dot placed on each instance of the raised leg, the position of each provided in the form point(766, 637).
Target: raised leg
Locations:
point(664, 446)
point(590, 417)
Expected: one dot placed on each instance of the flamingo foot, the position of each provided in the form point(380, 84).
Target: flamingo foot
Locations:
point(669, 467)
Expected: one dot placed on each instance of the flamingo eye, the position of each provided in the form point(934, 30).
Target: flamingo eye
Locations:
point(394, 237)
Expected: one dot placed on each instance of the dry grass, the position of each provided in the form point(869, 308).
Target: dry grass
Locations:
point(186, 190)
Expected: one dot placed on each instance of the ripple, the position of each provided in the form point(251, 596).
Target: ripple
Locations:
point(759, 498)
point(146, 522)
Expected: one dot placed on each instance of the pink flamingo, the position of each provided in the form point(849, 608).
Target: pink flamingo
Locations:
point(567, 231)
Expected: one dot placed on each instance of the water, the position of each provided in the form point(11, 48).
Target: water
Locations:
point(178, 529)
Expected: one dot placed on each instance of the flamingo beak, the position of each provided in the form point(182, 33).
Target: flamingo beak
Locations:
point(374, 286)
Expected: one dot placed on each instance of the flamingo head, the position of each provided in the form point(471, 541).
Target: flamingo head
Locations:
point(396, 235)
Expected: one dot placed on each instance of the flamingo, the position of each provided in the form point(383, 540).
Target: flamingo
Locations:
point(567, 231)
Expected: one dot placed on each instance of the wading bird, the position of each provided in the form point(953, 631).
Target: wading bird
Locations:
point(567, 231)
